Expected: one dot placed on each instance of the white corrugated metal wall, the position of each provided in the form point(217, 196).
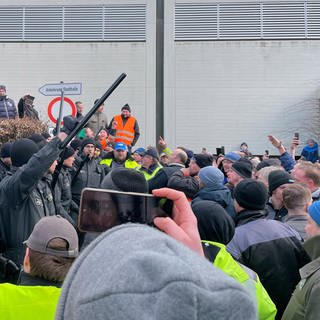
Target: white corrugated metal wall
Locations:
point(237, 71)
point(79, 41)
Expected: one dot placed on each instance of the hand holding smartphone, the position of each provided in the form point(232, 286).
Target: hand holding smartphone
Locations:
point(102, 209)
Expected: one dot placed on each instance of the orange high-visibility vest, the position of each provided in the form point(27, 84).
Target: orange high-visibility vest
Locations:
point(124, 133)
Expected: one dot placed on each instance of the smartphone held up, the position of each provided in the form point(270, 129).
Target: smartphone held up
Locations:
point(102, 209)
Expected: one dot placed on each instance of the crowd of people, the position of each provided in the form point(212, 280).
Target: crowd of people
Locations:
point(243, 240)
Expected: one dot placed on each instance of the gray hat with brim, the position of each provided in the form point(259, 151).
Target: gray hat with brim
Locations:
point(49, 228)
point(137, 272)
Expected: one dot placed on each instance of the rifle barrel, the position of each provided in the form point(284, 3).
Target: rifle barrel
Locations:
point(86, 118)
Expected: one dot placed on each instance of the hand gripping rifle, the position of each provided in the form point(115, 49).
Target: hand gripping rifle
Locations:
point(82, 123)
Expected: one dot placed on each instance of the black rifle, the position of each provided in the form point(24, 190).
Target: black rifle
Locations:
point(82, 123)
point(97, 134)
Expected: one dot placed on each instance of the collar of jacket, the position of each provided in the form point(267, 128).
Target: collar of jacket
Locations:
point(175, 164)
point(312, 247)
point(247, 216)
point(26, 279)
point(150, 169)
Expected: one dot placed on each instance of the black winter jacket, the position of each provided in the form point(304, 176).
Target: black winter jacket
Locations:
point(90, 175)
point(273, 250)
point(26, 197)
point(65, 206)
point(8, 108)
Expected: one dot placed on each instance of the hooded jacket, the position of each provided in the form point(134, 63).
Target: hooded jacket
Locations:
point(311, 153)
point(137, 272)
point(221, 196)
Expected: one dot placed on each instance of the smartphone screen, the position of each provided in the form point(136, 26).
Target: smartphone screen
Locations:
point(102, 209)
point(296, 135)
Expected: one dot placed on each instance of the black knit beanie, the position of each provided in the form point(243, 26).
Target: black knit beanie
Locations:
point(203, 160)
point(127, 180)
point(76, 143)
point(67, 153)
point(277, 178)
point(152, 152)
point(22, 150)
point(87, 141)
point(251, 194)
point(5, 150)
point(38, 139)
point(243, 168)
point(126, 107)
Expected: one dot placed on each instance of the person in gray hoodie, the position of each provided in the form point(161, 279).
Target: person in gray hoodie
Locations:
point(134, 271)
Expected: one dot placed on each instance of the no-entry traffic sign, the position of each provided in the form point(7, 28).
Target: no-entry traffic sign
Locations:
point(54, 107)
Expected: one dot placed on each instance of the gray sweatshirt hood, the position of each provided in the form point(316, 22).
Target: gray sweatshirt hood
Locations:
point(137, 272)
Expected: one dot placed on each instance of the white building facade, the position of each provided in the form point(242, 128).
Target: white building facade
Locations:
point(225, 72)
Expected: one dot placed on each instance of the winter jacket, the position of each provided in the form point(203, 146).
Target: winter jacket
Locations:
point(298, 223)
point(90, 175)
point(311, 153)
point(160, 180)
point(221, 196)
point(98, 120)
point(275, 214)
point(3, 169)
point(26, 197)
point(218, 255)
point(189, 185)
point(7, 108)
point(287, 161)
point(304, 303)
point(151, 171)
point(273, 250)
point(65, 206)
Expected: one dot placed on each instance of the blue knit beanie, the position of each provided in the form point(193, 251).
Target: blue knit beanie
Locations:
point(314, 212)
point(211, 177)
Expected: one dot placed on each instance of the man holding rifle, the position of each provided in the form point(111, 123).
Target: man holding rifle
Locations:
point(25, 193)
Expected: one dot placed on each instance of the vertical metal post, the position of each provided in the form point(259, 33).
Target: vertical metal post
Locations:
point(58, 126)
point(159, 69)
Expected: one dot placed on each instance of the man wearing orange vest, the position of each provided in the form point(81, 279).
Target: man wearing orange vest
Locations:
point(124, 127)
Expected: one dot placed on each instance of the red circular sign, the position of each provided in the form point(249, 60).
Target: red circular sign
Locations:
point(68, 103)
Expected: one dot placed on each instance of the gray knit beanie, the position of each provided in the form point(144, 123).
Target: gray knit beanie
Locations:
point(137, 272)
